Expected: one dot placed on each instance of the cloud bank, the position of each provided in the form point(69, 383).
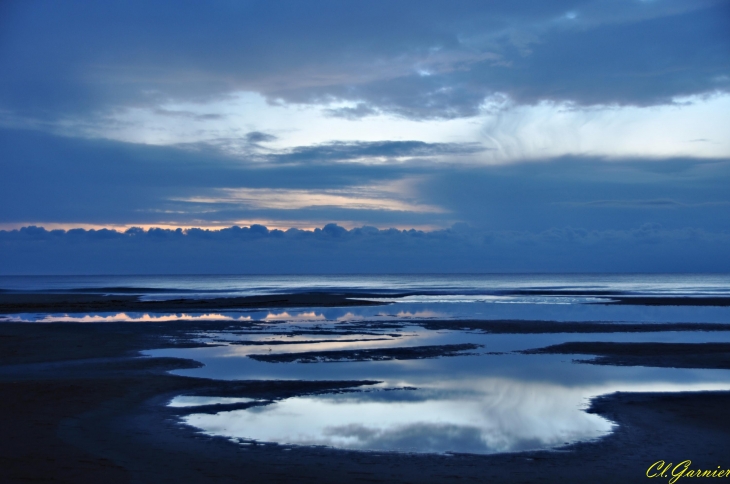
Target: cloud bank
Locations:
point(335, 250)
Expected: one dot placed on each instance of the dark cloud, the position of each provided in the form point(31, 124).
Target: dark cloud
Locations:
point(98, 181)
point(563, 192)
point(658, 203)
point(418, 58)
point(259, 137)
point(360, 110)
point(333, 249)
point(248, 145)
point(666, 203)
point(345, 151)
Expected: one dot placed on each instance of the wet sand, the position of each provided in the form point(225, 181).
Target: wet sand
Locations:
point(546, 327)
point(77, 405)
point(83, 303)
point(666, 355)
point(669, 301)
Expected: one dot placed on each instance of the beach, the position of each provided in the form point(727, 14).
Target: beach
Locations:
point(79, 403)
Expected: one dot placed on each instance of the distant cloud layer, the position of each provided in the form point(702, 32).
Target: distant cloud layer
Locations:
point(333, 249)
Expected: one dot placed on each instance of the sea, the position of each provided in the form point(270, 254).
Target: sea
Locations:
point(556, 297)
point(491, 399)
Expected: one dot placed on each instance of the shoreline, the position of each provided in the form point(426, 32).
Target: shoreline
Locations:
point(11, 303)
point(52, 302)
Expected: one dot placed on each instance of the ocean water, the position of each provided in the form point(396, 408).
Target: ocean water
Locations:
point(491, 399)
point(422, 284)
point(557, 297)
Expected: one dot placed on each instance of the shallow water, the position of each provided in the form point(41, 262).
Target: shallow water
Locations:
point(183, 401)
point(476, 403)
point(554, 297)
point(161, 287)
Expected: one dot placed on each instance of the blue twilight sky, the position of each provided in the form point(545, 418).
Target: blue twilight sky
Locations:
point(509, 135)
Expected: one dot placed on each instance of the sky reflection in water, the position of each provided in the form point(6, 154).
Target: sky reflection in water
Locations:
point(495, 415)
point(182, 401)
point(481, 403)
point(544, 309)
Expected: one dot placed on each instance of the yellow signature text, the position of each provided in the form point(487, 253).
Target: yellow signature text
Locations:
point(674, 473)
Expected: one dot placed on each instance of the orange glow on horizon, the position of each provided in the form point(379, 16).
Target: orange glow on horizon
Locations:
point(212, 226)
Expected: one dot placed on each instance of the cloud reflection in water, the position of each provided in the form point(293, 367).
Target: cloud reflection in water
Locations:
point(496, 415)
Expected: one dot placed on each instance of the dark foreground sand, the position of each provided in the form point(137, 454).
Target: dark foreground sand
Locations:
point(76, 405)
point(83, 303)
point(667, 355)
point(670, 301)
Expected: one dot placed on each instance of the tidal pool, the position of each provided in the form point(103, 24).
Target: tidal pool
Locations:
point(492, 400)
point(182, 401)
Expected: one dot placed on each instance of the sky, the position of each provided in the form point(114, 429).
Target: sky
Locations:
point(353, 136)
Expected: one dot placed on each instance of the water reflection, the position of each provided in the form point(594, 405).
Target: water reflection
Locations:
point(229, 361)
point(466, 298)
point(420, 308)
point(304, 316)
point(421, 315)
point(490, 415)
point(481, 403)
point(485, 416)
point(182, 401)
point(123, 317)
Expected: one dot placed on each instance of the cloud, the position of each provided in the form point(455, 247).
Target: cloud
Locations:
point(333, 249)
point(372, 151)
point(355, 198)
point(360, 110)
point(188, 115)
point(66, 182)
point(248, 145)
point(658, 203)
point(259, 137)
point(71, 59)
point(103, 182)
point(250, 148)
